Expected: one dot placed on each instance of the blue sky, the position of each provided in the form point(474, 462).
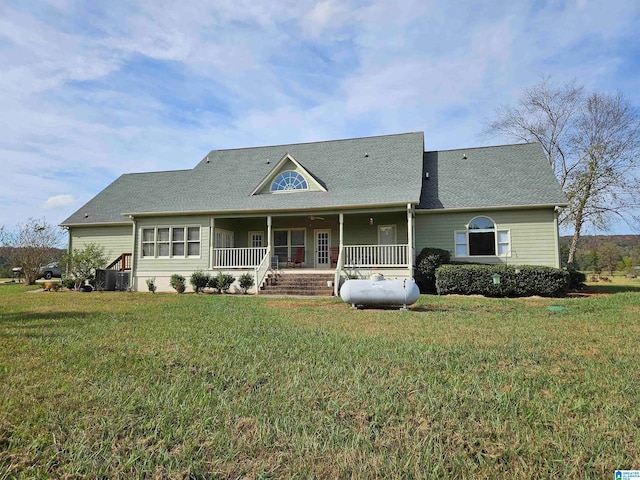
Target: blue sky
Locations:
point(92, 90)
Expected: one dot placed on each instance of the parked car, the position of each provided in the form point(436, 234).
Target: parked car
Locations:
point(49, 271)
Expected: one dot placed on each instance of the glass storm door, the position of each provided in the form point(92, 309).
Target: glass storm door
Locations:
point(323, 242)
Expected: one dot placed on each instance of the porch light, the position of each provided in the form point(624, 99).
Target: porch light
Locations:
point(496, 279)
point(370, 220)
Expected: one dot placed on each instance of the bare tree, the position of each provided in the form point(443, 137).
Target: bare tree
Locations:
point(591, 141)
point(34, 244)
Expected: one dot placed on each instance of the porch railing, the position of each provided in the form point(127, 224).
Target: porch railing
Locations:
point(375, 255)
point(122, 263)
point(261, 271)
point(249, 257)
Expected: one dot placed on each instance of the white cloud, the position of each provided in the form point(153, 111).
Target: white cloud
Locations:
point(91, 91)
point(58, 201)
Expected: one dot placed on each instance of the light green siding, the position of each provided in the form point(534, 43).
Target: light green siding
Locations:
point(152, 266)
point(358, 229)
point(533, 234)
point(115, 240)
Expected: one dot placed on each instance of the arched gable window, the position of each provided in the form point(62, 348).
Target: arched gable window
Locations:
point(289, 180)
point(481, 238)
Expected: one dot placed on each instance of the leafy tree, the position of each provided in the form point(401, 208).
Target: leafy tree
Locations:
point(626, 265)
point(82, 263)
point(33, 243)
point(609, 255)
point(592, 142)
point(588, 260)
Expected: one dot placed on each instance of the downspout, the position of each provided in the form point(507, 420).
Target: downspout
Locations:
point(211, 234)
point(556, 213)
point(132, 283)
point(212, 243)
point(69, 250)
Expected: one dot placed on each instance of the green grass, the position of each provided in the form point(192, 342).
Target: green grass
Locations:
point(125, 385)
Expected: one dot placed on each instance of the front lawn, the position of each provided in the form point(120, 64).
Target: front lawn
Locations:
point(134, 385)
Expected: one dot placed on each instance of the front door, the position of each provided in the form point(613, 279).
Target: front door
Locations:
point(323, 242)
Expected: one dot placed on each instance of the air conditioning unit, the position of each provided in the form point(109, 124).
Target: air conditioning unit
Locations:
point(106, 280)
point(122, 281)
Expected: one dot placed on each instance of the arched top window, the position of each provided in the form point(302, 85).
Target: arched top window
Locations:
point(289, 180)
point(481, 225)
point(482, 238)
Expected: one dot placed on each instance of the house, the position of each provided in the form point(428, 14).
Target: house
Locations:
point(343, 207)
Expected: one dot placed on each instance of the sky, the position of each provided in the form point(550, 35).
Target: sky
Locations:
point(92, 90)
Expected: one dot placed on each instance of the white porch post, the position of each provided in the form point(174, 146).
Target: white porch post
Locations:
point(212, 241)
point(410, 239)
point(269, 237)
point(336, 283)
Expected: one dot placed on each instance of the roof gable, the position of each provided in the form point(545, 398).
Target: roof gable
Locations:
point(288, 163)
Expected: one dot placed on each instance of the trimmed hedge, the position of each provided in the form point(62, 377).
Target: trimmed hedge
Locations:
point(427, 261)
point(478, 280)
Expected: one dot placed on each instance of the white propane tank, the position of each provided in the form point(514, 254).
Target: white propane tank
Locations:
point(378, 291)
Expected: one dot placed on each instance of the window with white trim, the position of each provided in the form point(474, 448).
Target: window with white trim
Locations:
point(224, 238)
point(387, 235)
point(482, 239)
point(255, 239)
point(170, 242)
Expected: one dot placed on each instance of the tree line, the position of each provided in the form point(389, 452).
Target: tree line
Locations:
point(604, 253)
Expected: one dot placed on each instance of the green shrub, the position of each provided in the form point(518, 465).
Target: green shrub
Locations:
point(576, 279)
point(213, 282)
point(178, 283)
point(478, 280)
point(427, 261)
point(224, 282)
point(246, 282)
point(199, 280)
point(68, 282)
point(151, 284)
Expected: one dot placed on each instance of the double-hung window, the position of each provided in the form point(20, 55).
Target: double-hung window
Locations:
point(178, 242)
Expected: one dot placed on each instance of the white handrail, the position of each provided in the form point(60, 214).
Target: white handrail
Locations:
point(261, 271)
point(376, 255)
point(336, 278)
point(245, 257)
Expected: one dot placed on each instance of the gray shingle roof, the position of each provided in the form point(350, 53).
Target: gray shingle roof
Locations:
point(502, 176)
point(224, 180)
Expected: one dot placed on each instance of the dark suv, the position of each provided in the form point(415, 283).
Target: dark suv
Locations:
point(49, 271)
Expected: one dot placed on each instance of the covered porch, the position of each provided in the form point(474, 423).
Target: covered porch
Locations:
point(347, 243)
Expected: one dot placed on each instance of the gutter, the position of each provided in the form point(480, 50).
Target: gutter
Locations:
point(426, 211)
point(297, 211)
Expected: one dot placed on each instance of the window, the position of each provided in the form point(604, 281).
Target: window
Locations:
point(482, 239)
point(287, 242)
point(163, 242)
point(224, 238)
point(148, 242)
point(255, 239)
point(289, 180)
point(171, 242)
point(386, 235)
point(193, 241)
